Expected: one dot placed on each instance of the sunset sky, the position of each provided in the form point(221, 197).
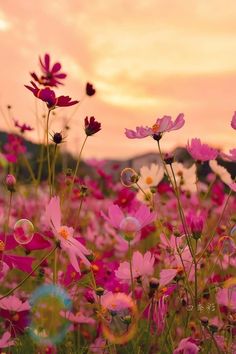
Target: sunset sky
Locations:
point(146, 58)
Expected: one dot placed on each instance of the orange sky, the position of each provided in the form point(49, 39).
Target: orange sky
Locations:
point(146, 58)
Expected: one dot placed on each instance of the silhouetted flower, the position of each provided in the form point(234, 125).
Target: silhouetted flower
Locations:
point(47, 95)
point(23, 127)
point(91, 126)
point(90, 90)
point(51, 75)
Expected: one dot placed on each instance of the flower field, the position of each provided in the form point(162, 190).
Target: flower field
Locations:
point(119, 261)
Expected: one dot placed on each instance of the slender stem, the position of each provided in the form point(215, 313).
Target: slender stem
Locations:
point(48, 153)
point(27, 164)
point(78, 213)
point(217, 224)
point(55, 268)
point(53, 168)
point(6, 227)
point(29, 275)
point(130, 267)
point(79, 160)
point(195, 280)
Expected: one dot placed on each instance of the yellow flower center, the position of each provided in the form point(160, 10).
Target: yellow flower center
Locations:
point(95, 267)
point(149, 180)
point(2, 246)
point(16, 317)
point(155, 128)
point(64, 233)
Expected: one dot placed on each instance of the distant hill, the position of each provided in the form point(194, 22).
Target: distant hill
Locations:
point(66, 160)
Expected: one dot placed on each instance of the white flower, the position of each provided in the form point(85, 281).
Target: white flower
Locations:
point(185, 177)
point(150, 176)
point(220, 171)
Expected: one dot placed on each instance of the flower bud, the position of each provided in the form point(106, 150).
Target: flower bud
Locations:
point(10, 183)
point(99, 291)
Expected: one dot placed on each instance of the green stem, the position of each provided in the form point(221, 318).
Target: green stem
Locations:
point(53, 168)
point(130, 267)
point(6, 227)
point(27, 164)
point(79, 160)
point(55, 268)
point(195, 280)
point(29, 275)
point(48, 153)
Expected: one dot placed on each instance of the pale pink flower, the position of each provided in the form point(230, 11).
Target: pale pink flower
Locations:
point(162, 125)
point(186, 346)
point(5, 341)
point(201, 152)
point(130, 225)
point(233, 121)
point(116, 301)
point(142, 266)
point(227, 297)
point(167, 275)
point(159, 313)
point(77, 318)
point(64, 234)
point(13, 303)
point(231, 156)
point(233, 186)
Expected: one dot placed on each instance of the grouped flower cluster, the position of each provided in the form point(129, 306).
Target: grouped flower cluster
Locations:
point(141, 264)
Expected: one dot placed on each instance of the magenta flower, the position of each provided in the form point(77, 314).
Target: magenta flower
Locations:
point(90, 90)
point(233, 121)
point(16, 312)
point(142, 266)
point(162, 125)
point(64, 235)
point(51, 76)
point(131, 225)
point(231, 156)
point(5, 341)
point(13, 148)
point(201, 152)
point(188, 346)
point(23, 127)
point(47, 95)
point(159, 313)
point(91, 126)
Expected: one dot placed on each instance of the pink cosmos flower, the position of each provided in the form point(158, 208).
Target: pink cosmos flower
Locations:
point(233, 186)
point(227, 297)
point(51, 75)
point(116, 302)
point(16, 312)
point(5, 341)
point(142, 266)
point(159, 313)
point(47, 95)
point(77, 318)
point(201, 152)
point(233, 121)
point(162, 125)
point(187, 346)
point(64, 234)
point(231, 156)
point(129, 226)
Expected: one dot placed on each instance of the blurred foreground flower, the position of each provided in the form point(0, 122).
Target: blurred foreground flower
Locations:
point(51, 76)
point(201, 152)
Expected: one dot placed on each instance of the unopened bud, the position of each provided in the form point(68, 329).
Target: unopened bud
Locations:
point(10, 183)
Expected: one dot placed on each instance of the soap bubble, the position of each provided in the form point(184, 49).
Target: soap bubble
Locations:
point(226, 245)
point(4, 268)
point(23, 231)
point(47, 323)
point(119, 317)
point(128, 177)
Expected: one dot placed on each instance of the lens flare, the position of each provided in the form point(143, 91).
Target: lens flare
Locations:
point(47, 323)
point(119, 317)
point(23, 231)
point(230, 285)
